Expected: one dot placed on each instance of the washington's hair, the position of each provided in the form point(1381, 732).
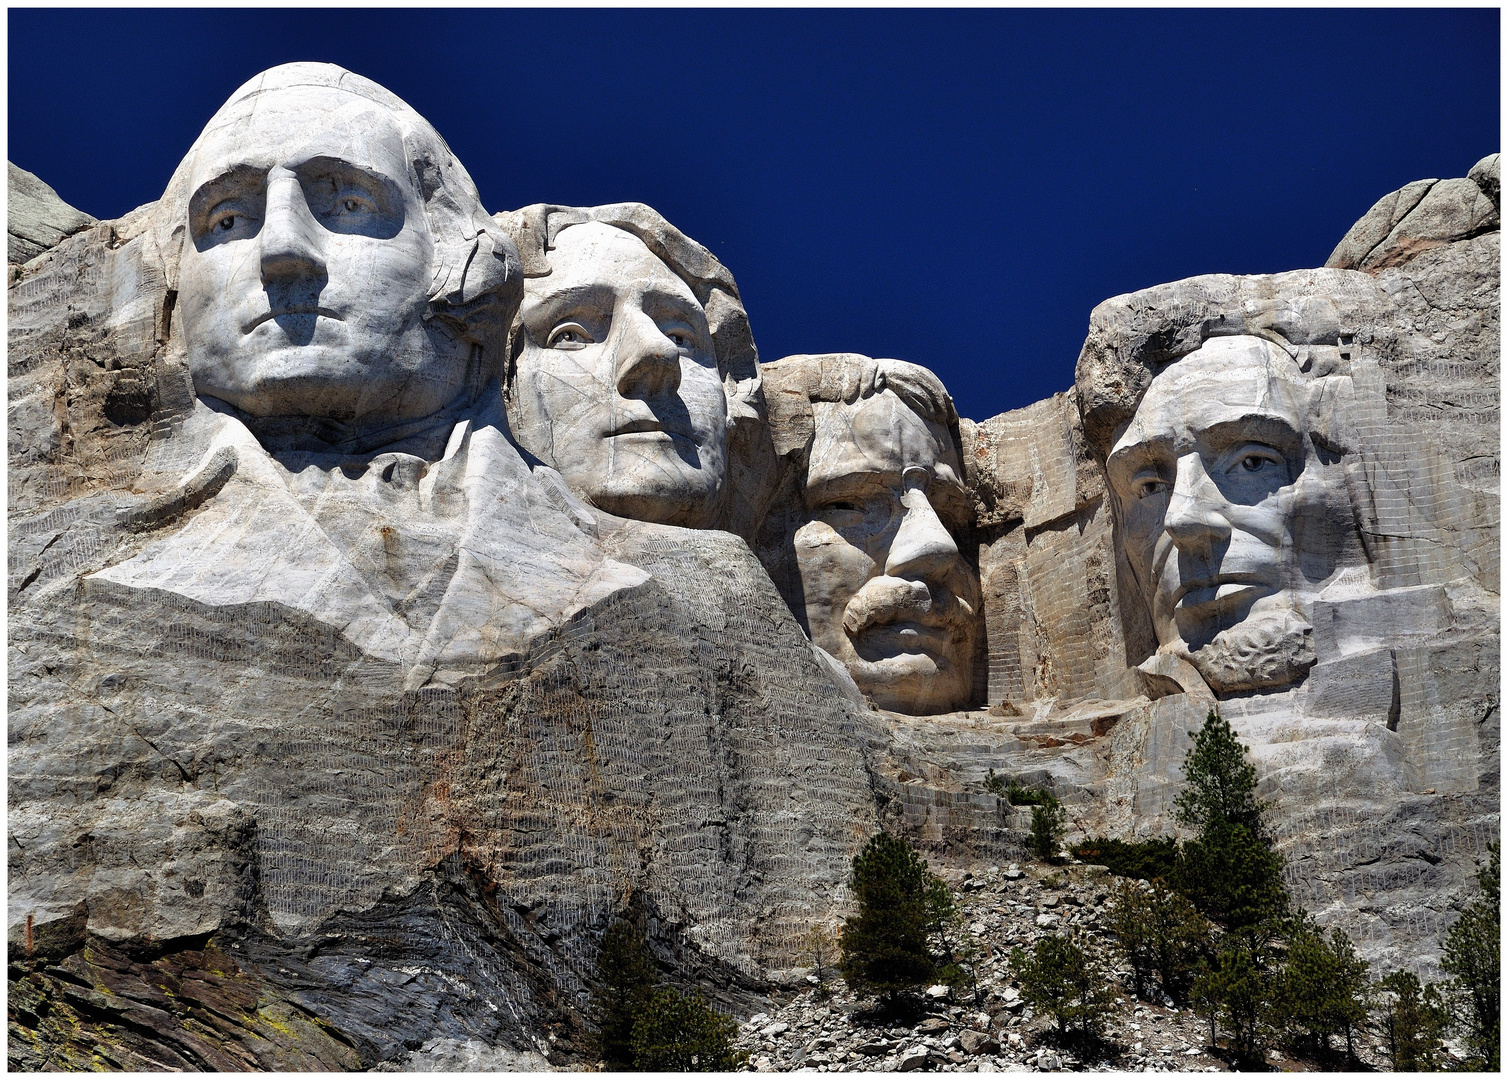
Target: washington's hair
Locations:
point(477, 278)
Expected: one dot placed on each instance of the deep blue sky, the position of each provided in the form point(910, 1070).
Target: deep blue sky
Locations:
point(954, 188)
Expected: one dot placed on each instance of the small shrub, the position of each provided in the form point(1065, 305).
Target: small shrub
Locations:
point(1060, 979)
point(1146, 860)
point(1047, 827)
point(682, 1033)
point(1473, 955)
point(1017, 795)
point(995, 785)
point(1414, 1020)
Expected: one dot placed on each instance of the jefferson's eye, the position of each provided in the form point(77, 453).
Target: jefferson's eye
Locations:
point(351, 205)
point(1254, 463)
point(1146, 487)
point(681, 338)
point(568, 336)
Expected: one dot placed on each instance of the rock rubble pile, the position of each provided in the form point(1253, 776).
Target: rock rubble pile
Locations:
point(991, 1028)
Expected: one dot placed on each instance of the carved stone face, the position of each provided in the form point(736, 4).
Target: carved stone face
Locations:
point(1223, 510)
point(886, 590)
point(617, 384)
point(304, 282)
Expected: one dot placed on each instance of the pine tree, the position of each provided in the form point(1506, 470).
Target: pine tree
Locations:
point(1047, 826)
point(681, 1033)
point(1413, 1020)
point(1322, 988)
point(1236, 987)
point(1473, 955)
point(1220, 784)
point(625, 983)
point(1230, 870)
point(1161, 935)
point(884, 945)
point(1059, 978)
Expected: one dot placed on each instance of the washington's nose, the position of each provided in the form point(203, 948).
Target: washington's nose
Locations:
point(923, 548)
point(290, 237)
point(1194, 518)
point(649, 363)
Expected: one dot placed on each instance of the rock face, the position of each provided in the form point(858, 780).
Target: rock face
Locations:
point(349, 704)
point(36, 219)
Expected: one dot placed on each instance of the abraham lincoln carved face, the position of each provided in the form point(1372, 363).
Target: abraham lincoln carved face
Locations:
point(1229, 522)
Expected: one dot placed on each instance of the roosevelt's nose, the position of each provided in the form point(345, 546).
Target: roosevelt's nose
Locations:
point(1195, 518)
point(290, 238)
point(923, 548)
point(649, 363)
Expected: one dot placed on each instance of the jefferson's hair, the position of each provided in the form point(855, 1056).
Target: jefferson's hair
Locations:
point(477, 283)
point(534, 229)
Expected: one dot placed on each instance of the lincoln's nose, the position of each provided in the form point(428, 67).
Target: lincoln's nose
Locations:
point(290, 237)
point(1195, 519)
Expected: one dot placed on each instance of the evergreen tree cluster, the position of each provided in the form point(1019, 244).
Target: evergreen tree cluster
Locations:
point(644, 1026)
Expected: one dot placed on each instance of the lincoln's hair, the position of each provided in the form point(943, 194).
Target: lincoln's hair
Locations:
point(477, 283)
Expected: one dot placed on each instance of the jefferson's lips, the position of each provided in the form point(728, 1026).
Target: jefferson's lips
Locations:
point(302, 309)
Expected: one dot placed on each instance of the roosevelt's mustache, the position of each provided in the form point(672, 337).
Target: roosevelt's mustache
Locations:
point(885, 600)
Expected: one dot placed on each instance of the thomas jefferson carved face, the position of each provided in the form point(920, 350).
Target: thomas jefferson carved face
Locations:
point(617, 385)
point(1224, 511)
point(886, 589)
point(304, 284)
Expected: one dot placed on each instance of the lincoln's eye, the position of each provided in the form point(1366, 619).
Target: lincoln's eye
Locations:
point(1253, 463)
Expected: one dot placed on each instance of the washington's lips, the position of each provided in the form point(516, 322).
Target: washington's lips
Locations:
point(298, 309)
point(646, 425)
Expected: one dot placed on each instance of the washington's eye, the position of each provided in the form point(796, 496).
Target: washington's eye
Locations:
point(568, 336)
point(1146, 486)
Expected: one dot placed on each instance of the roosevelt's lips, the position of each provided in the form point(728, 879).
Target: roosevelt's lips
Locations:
point(299, 309)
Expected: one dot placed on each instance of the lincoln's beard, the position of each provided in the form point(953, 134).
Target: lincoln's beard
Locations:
point(1267, 649)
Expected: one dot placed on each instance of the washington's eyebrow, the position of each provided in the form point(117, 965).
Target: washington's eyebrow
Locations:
point(240, 180)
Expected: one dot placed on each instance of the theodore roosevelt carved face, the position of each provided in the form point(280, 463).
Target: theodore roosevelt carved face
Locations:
point(883, 584)
point(616, 382)
point(307, 276)
point(1225, 512)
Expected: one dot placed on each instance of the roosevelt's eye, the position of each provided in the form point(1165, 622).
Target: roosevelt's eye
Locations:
point(568, 336)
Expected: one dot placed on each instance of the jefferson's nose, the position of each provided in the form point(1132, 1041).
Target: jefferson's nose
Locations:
point(1194, 519)
point(290, 237)
point(923, 548)
point(649, 363)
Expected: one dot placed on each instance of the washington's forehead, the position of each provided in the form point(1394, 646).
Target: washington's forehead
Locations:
point(879, 434)
point(276, 128)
